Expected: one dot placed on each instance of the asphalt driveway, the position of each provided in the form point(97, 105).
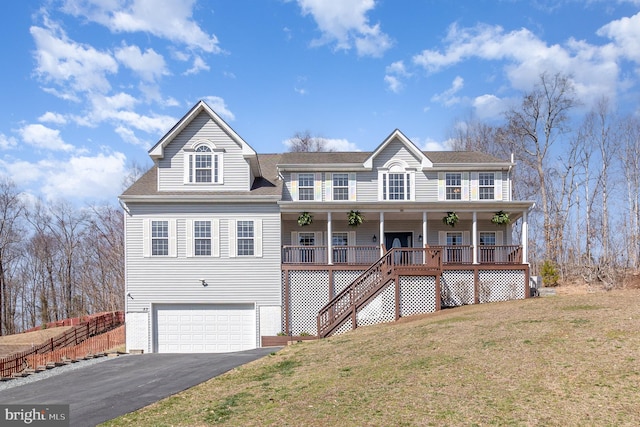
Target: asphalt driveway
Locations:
point(124, 384)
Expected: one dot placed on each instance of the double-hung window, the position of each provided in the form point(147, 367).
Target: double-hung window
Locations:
point(486, 181)
point(159, 238)
point(396, 182)
point(245, 238)
point(453, 186)
point(202, 238)
point(340, 186)
point(396, 186)
point(306, 188)
point(203, 165)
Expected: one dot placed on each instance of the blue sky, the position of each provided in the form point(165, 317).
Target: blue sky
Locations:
point(88, 86)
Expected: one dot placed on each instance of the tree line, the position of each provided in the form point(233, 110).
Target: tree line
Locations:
point(582, 168)
point(57, 260)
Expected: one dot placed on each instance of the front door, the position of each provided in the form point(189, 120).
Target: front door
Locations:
point(403, 240)
point(398, 240)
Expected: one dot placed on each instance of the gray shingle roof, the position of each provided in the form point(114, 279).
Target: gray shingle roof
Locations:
point(270, 185)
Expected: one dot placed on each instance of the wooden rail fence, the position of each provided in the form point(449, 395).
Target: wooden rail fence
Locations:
point(92, 346)
point(95, 325)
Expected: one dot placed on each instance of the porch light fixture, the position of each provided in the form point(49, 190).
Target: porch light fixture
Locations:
point(204, 282)
point(374, 238)
point(420, 237)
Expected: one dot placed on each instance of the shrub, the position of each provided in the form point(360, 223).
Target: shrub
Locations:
point(549, 273)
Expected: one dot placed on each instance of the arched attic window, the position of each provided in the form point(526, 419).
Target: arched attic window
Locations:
point(203, 164)
point(396, 181)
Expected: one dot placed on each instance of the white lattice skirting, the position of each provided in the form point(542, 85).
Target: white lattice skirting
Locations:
point(309, 292)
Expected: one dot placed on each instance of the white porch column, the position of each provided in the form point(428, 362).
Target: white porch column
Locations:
point(424, 229)
point(381, 232)
point(474, 237)
point(329, 240)
point(525, 238)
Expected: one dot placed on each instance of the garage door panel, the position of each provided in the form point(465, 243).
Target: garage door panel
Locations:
point(198, 328)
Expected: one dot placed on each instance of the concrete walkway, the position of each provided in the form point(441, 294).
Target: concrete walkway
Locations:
point(115, 387)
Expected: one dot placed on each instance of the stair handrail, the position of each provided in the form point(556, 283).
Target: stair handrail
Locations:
point(352, 297)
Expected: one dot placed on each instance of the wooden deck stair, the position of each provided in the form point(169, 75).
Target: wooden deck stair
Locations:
point(397, 261)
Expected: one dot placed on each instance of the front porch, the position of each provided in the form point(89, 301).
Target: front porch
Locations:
point(326, 263)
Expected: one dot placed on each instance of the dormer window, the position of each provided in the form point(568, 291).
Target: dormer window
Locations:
point(396, 182)
point(204, 169)
point(203, 165)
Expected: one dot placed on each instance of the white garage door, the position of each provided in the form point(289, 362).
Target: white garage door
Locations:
point(204, 328)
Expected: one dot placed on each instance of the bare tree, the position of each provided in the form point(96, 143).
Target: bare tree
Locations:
point(134, 171)
point(103, 259)
point(67, 225)
point(629, 155)
point(532, 129)
point(304, 142)
point(11, 236)
point(474, 135)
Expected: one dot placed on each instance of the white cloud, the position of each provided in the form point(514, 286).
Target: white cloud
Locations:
point(55, 118)
point(218, 105)
point(149, 65)
point(40, 136)
point(394, 73)
point(7, 142)
point(129, 136)
point(198, 65)
point(625, 32)
point(96, 177)
point(339, 145)
point(525, 57)
point(74, 66)
point(167, 19)
point(447, 97)
point(489, 106)
point(393, 83)
point(345, 23)
point(430, 144)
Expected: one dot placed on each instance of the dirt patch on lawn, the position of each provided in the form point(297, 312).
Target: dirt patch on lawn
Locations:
point(10, 344)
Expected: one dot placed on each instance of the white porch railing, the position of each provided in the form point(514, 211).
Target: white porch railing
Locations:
point(367, 255)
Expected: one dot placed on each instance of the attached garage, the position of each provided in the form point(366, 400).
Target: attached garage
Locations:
point(204, 328)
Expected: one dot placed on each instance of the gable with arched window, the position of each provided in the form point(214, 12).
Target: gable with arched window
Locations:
point(203, 164)
point(396, 181)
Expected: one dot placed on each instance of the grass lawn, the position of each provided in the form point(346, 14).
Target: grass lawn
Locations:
point(569, 360)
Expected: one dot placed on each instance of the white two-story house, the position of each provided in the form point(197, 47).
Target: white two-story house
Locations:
point(225, 245)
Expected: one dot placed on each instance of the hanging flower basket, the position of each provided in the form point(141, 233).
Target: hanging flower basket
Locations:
point(501, 218)
point(451, 219)
point(354, 218)
point(305, 218)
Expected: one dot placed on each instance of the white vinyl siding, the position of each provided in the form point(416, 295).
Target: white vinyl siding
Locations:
point(234, 171)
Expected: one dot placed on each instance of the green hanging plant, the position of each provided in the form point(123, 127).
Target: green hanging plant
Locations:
point(451, 219)
point(305, 218)
point(354, 218)
point(501, 218)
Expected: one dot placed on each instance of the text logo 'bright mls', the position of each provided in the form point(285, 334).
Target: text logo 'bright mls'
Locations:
point(36, 415)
